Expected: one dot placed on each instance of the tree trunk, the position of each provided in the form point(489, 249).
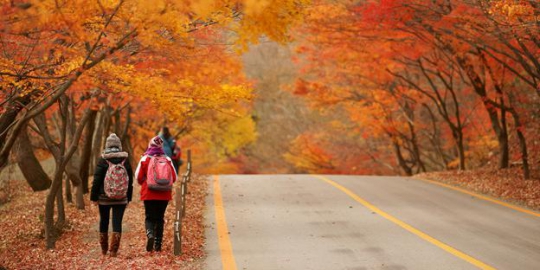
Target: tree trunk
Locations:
point(127, 123)
point(522, 146)
point(521, 137)
point(98, 138)
point(6, 145)
point(504, 156)
point(69, 197)
point(79, 197)
point(434, 138)
point(117, 123)
point(61, 213)
point(51, 232)
point(524, 155)
point(125, 138)
point(402, 162)
point(479, 87)
point(501, 133)
point(504, 148)
point(9, 116)
point(416, 149)
point(62, 154)
point(441, 102)
point(86, 153)
point(126, 145)
point(107, 124)
point(458, 136)
point(73, 171)
point(28, 163)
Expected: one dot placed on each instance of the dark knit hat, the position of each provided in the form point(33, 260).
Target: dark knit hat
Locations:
point(113, 142)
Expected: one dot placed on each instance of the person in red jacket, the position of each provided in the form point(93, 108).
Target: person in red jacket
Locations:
point(155, 202)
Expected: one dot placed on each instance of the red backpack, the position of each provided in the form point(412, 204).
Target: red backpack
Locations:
point(159, 176)
point(116, 181)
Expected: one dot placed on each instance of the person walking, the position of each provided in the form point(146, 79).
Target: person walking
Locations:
point(170, 148)
point(112, 189)
point(156, 175)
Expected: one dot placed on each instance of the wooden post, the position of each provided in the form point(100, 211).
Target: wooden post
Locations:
point(184, 190)
point(180, 199)
point(178, 223)
point(188, 166)
point(185, 180)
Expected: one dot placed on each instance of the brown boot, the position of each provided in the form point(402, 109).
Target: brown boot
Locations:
point(103, 241)
point(115, 243)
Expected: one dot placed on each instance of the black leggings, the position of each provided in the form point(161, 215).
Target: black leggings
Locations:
point(105, 213)
point(155, 211)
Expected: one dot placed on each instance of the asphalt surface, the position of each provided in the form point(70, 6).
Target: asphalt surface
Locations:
point(303, 222)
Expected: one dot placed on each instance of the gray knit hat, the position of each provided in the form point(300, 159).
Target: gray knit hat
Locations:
point(113, 144)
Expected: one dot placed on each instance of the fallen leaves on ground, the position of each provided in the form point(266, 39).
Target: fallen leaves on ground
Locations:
point(22, 245)
point(506, 184)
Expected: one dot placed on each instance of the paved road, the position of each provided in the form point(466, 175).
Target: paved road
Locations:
point(356, 222)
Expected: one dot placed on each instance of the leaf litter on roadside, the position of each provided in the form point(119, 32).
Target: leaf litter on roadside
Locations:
point(506, 184)
point(22, 243)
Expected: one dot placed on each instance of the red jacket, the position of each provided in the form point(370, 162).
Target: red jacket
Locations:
point(140, 175)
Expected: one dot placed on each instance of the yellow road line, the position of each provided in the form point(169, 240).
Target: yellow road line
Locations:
point(486, 198)
point(225, 246)
point(408, 227)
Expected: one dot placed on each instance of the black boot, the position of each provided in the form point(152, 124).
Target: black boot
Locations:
point(159, 236)
point(150, 236)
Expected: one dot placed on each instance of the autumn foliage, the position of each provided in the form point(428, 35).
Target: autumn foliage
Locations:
point(393, 87)
point(427, 86)
point(74, 71)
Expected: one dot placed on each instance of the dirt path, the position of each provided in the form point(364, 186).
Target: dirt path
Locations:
point(132, 244)
point(22, 244)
